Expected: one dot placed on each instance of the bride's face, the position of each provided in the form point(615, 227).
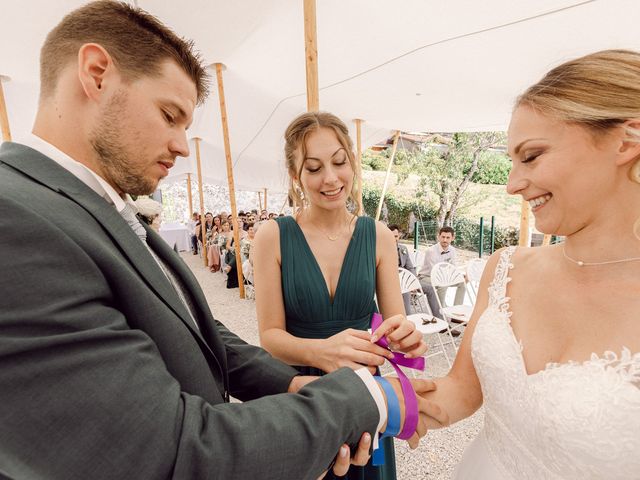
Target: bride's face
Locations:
point(561, 169)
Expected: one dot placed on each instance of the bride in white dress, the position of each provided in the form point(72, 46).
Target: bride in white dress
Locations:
point(553, 346)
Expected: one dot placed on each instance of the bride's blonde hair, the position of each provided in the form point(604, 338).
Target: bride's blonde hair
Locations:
point(599, 91)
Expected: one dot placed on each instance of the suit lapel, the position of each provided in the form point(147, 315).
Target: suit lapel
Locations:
point(46, 172)
point(182, 271)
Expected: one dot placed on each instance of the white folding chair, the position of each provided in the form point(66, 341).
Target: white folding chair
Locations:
point(445, 275)
point(474, 270)
point(425, 322)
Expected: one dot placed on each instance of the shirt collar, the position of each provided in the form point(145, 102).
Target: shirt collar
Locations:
point(81, 172)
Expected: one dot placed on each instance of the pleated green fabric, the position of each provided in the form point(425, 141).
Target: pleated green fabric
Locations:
point(311, 313)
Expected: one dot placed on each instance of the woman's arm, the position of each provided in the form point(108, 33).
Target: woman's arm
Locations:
point(350, 348)
point(400, 332)
point(459, 393)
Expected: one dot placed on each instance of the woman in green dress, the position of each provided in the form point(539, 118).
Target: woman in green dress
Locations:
point(317, 274)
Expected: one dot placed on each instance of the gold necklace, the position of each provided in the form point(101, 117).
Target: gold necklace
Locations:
point(332, 238)
point(580, 263)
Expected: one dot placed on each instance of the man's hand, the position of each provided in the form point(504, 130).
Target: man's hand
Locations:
point(428, 411)
point(344, 459)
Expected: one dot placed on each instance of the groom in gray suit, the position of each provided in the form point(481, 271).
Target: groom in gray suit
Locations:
point(111, 364)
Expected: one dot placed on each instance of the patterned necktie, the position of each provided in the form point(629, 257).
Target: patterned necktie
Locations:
point(130, 216)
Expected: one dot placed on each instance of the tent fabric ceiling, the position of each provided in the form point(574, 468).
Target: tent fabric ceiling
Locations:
point(416, 65)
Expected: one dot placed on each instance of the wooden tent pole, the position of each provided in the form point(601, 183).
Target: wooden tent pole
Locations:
point(386, 177)
point(359, 160)
point(523, 241)
point(189, 196)
point(203, 228)
point(265, 199)
point(232, 190)
point(4, 118)
point(546, 240)
point(284, 204)
point(311, 55)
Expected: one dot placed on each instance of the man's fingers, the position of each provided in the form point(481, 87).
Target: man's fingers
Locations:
point(341, 467)
point(361, 456)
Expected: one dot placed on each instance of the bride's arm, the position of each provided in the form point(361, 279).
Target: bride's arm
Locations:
point(459, 393)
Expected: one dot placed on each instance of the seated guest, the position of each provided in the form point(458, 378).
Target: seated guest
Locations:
point(191, 225)
point(442, 251)
point(404, 261)
point(245, 245)
point(231, 266)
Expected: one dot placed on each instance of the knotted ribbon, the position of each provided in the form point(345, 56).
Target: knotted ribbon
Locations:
point(410, 400)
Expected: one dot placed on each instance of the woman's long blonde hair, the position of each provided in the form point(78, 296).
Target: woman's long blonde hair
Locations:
point(295, 138)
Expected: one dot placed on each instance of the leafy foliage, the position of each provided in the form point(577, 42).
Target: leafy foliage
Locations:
point(493, 168)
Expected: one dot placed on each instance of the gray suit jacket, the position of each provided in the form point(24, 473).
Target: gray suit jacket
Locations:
point(404, 258)
point(103, 374)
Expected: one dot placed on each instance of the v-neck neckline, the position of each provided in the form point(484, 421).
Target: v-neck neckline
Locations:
point(331, 300)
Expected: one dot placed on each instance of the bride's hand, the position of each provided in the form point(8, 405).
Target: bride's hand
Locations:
point(402, 336)
point(350, 348)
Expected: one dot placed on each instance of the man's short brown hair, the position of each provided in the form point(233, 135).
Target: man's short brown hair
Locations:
point(447, 229)
point(137, 42)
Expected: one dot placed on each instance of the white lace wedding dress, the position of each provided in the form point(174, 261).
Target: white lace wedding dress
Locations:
point(568, 421)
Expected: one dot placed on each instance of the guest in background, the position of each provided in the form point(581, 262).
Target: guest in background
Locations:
point(442, 251)
point(191, 225)
point(404, 261)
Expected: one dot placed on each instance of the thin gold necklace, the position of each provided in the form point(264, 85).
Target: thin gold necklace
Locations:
point(580, 263)
point(332, 238)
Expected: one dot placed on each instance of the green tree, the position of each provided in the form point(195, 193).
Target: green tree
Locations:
point(446, 166)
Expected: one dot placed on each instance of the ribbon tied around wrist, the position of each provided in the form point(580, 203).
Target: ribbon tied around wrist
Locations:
point(410, 399)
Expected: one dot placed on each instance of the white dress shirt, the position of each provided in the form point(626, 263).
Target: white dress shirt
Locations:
point(436, 254)
point(106, 191)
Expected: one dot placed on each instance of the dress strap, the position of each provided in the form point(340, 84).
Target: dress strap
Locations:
point(498, 286)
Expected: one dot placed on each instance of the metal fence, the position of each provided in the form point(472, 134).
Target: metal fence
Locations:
point(483, 236)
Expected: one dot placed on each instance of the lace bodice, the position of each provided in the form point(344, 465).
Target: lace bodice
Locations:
point(571, 420)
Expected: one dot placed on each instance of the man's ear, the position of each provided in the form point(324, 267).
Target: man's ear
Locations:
point(629, 147)
point(95, 67)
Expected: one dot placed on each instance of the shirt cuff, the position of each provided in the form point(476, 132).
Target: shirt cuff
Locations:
point(374, 389)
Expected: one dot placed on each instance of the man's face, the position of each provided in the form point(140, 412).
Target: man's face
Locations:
point(141, 129)
point(445, 239)
point(396, 235)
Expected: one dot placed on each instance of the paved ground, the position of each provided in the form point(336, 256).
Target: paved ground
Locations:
point(439, 451)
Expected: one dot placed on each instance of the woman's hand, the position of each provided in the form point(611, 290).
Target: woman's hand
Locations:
point(402, 336)
point(349, 348)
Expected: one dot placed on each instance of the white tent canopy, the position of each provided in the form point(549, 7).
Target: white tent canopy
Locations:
point(415, 65)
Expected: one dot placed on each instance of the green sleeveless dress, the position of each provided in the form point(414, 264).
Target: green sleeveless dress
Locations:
point(310, 313)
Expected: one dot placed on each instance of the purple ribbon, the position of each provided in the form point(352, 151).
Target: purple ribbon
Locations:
point(410, 400)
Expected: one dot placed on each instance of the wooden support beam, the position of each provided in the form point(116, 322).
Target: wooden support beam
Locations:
point(358, 123)
point(189, 196)
point(386, 177)
point(232, 190)
point(311, 55)
point(523, 241)
point(203, 229)
point(4, 117)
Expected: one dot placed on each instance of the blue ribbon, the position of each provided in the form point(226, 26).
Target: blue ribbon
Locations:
point(393, 419)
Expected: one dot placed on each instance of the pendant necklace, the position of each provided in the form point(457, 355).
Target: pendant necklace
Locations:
point(580, 263)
